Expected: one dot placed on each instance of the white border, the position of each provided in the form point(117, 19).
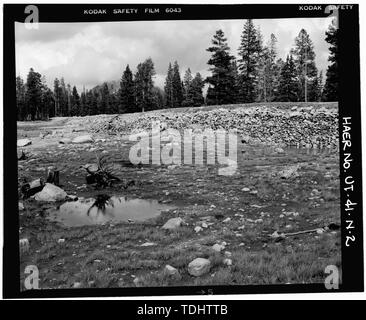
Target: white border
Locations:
point(310, 296)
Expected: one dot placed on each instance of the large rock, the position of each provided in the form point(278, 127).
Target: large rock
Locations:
point(218, 247)
point(65, 141)
point(171, 270)
point(50, 193)
point(83, 139)
point(199, 267)
point(23, 142)
point(289, 172)
point(173, 223)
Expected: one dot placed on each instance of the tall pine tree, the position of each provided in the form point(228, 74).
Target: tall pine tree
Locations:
point(288, 85)
point(249, 52)
point(168, 88)
point(144, 85)
point(304, 58)
point(188, 90)
point(127, 93)
point(177, 87)
point(196, 88)
point(33, 94)
point(330, 92)
point(222, 80)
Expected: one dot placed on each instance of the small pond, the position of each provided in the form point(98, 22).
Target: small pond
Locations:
point(104, 209)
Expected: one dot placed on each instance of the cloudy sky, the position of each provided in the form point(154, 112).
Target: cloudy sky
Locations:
point(91, 53)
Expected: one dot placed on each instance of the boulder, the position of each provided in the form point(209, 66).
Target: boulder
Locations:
point(228, 262)
point(171, 270)
point(199, 267)
point(198, 229)
point(173, 223)
point(83, 139)
point(218, 247)
point(279, 150)
point(50, 193)
point(65, 141)
point(23, 142)
point(289, 172)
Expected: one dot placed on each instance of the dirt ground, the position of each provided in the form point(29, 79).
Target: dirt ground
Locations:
point(111, 255)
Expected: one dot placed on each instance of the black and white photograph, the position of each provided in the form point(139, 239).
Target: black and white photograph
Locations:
point(181, 152)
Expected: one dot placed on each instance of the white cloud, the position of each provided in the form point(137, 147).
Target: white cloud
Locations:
point(90, 53)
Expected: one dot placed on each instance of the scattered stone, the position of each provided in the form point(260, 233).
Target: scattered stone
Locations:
point(171, 270)
point(60, 240)
point(228, 254)
point(320, 231)
point(83, 139)
point(136, 281)
point(65, 141)
point(204, 225)
point(20, 206)
point(148, 244)
point(91, 167)
point(172, 167)
point(279, 150)
point(228, 262)
point(276, 235)
point(21, 155)
point(289, 172)
point(245, 189)
point(173, 223)
point(199, 267)
point(77, 285)
point(226, 220)
point(71, 197)
point(258, 221)
point(218, 247)
point(50, 193)
point(253, 192)
point(23, 142)
point(198, 229)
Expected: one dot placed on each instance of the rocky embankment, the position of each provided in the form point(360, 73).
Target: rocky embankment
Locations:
point(310, 126)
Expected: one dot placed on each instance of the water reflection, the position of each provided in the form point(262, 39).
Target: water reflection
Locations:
point(104, 208)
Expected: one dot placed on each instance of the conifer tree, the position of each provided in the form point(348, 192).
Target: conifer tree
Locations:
point(249, 52)
point(188, 89)
point(288, 85)
point(221, 82)
point(304, 58)
point(20, 98)
point(33, 94)
point(168, 88)
point(127, 93)
point(197, 86)
point(177, 87)
point(75, 102)
point(144, 85)
point(330, 92)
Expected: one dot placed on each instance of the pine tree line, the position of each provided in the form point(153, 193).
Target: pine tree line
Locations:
point(257, 75)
